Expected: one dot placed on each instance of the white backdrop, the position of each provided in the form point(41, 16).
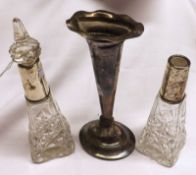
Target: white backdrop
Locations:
point(170, 28)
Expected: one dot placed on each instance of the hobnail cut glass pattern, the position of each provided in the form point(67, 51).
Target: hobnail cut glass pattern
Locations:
point(49, 132)
point(164, 135)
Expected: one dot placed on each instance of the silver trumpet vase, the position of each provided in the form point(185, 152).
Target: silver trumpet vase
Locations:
point(105, 33)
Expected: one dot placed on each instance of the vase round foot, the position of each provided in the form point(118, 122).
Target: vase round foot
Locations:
point(109, 143)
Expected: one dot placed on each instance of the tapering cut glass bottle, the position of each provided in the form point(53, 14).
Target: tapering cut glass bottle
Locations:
point(164, 135)
point(49, 131)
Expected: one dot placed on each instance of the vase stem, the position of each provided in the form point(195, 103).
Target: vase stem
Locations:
point(106, 61)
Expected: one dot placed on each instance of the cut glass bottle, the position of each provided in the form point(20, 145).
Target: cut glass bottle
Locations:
point(49, 132)
point(164, 135)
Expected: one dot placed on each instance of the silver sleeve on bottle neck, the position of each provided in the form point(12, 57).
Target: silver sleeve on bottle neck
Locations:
point(34, 82)
point(175, 79)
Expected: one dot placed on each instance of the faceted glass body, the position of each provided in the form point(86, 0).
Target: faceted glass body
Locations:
point(164, 135)
point(49, 132)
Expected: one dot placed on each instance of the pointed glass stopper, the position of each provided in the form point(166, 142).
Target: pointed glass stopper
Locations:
point(26, 50)
point(20, 33)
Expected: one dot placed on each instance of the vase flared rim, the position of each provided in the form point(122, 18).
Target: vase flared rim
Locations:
point(104, 26)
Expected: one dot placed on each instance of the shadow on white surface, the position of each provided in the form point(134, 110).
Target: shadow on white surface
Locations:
point(139, 9)
point(68, 67)
point(13, 136)
point(12, 118)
